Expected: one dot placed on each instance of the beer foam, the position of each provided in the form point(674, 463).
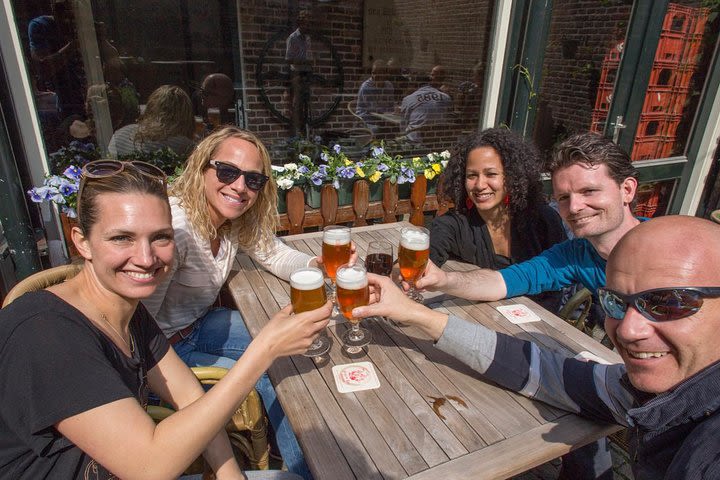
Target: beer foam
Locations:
point(336, 236)
point(415, 240)
point(351, 279)
point(307, 279)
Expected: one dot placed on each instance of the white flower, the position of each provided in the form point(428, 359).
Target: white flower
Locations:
point(278, 169)
point(291, 167)
point(444, 163)
point(285, 183)
point(445, 154)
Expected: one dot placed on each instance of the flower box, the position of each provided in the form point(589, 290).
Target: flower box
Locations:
point(281, 203)
point(344, 193)
point(376, 190)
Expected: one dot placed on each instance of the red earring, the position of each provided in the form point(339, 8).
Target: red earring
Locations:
point(507, 200)
point(469, 203)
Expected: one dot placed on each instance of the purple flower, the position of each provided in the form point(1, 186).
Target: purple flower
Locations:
point(382, 167)
point(73, 172)
point(38, 194)
point(325, 157)
point(67, 188)
point(317, 178)
point(303, 169)
point(377, 151)
point(407, 175)
point(337, 148)
point(322, 169)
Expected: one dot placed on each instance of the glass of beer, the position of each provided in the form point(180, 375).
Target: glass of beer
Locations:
point(413, 257)
point(307, 292)
point(335, 250)
point(353, 291)
point(379, 259)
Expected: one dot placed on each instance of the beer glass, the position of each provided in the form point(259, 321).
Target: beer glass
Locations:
point(379, 259)
point(413, 256)
point(335, 250)
point(353, 291)
point(307, 292)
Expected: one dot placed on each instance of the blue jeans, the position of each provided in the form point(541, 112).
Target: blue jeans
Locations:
point(219, 339)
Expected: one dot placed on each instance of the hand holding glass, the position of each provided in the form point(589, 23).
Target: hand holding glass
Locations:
point(413, 257)
point(353, 291)
point(335, 250)
point(307, 292)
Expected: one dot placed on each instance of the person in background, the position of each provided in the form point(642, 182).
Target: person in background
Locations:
point(426, 106)
point(299, 56)
point(663, 316)
point(216, 93)
point(376, 94)
point(82, 354)
point(594, 183)
point(500, 215)
point(167, 121)
point(223, 204)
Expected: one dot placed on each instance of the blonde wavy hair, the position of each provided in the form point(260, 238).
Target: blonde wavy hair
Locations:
point(168, 113)
point(257, 225)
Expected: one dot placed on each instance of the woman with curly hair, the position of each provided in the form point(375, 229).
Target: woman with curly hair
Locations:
point(167, 121)
point(221, 204)
point(500, 215)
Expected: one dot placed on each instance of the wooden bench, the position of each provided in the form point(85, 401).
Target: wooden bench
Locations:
point(300, 217)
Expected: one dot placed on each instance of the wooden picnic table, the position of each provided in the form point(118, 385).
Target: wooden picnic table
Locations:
point(393, 431)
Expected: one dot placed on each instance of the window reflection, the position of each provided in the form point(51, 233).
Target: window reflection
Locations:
point(408, 74)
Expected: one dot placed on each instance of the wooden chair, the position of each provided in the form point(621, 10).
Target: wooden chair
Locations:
point(247, 428)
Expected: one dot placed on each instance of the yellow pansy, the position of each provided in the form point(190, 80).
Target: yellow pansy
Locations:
point(375, 176)
point(359, 172)
point(429, 173)
point(437, 167)
point(348, 163)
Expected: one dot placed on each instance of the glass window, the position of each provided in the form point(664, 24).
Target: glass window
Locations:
point(139, 76)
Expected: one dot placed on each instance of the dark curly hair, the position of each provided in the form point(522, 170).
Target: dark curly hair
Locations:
point(521, 168)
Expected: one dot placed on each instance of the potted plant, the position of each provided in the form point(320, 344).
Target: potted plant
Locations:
point(62, 191)
point(76, 153)
point(286, 177)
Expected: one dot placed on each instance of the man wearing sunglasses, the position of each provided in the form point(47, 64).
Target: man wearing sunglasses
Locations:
point(662, 303)
point(594, 184)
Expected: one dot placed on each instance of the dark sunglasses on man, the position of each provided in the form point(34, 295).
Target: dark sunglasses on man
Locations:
point(227, 174)
point(658, 304)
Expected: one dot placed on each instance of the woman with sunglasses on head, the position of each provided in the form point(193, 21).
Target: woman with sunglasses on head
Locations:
point(221, 204)
point(80, 356)
point(500, 214)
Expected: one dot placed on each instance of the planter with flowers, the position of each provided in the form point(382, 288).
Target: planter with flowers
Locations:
point(286, 177)
point(335, 168)
point(432, 165)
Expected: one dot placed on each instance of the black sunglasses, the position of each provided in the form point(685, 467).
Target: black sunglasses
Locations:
point(228, 174)
point(658, 304)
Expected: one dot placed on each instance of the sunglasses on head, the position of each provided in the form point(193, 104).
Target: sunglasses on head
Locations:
point(658, 304)
point(108, 168)
point(227, 174)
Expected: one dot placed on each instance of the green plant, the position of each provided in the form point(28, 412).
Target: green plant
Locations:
point(165, 159)
point(76, 153)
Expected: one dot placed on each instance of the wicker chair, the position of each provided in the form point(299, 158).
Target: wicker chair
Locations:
point(247, 428)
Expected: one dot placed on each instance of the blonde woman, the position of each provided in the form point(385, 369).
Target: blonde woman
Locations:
point(167, 121)
point(223, 203)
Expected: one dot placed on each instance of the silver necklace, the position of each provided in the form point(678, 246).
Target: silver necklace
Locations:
point(131, 345)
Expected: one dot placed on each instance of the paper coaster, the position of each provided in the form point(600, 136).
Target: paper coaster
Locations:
point(353, 377)
point(586, 356)
point(518, 313)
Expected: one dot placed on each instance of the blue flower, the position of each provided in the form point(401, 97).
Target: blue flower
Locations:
point(38, 194)
point(337, 148)
point(69, 211)
point(73, 172)
point(377, 151)
point(382, 167)
point(325, 157)
point(67, 188)
point(303, 169)
point(323, 170)
point(317, 178)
